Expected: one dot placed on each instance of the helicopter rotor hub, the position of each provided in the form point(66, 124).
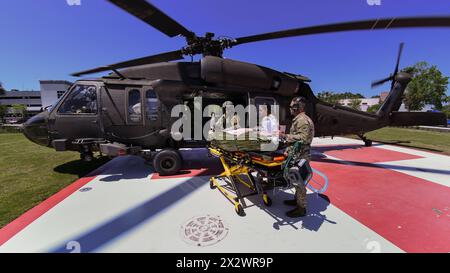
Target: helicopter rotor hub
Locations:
point(207, 46)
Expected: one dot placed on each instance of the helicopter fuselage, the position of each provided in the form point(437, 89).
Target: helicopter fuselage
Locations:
point(134, 107)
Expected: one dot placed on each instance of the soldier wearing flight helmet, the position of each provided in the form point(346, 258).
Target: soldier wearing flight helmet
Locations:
point(302, 130)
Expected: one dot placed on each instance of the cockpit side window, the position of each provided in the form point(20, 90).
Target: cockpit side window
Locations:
point(81, 100)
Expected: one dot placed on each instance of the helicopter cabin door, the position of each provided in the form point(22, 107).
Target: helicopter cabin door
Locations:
point(77, 115)
point(265, 105)
point(142, 116)
point(152, 109)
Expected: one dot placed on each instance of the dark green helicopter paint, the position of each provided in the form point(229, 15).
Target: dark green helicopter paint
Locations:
point(163, 84)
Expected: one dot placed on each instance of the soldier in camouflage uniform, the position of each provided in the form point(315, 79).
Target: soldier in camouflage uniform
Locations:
point(302, 129)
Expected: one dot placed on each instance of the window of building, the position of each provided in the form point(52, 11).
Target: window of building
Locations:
point(151, 110)
point(134, 106)
point(81, 100)
point(60, 93)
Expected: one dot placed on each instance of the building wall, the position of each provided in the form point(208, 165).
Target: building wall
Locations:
point(51, 91)
point(31, 99)
point(427, 107)
point(365, 103)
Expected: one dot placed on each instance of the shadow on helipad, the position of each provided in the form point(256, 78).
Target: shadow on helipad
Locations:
point(315, 217)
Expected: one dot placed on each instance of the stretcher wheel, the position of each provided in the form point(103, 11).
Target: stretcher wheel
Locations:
point(239, 209)
point(267, 200)
point(211, 184)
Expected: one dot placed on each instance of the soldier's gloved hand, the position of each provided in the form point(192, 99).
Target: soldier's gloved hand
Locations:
point(282, 137)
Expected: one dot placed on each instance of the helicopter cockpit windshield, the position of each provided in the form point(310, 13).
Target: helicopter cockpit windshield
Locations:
point(81, 100)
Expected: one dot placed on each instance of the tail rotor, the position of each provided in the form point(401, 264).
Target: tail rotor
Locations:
point(392, 76)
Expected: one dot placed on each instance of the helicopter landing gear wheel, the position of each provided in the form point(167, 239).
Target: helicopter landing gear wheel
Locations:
point(367, 142)
point(267, 200)
point(239, 209)
point(87, 156)
point(167, 162)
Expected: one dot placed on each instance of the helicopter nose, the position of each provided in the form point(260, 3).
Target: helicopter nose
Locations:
point(35, 129)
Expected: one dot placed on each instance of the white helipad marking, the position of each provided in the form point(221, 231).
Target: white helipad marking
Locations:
point(432, 167)
point(126, 211)
point(261, 230)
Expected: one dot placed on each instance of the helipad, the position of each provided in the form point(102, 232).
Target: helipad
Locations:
point(380, 199)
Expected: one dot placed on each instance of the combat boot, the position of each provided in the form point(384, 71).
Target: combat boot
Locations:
point(297, 212)
point(290, 202)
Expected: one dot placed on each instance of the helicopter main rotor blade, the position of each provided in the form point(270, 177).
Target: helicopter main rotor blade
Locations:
point(387, 23)
point(153, 16)
point(163, 57)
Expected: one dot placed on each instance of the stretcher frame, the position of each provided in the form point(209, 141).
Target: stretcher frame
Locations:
point(236, 165)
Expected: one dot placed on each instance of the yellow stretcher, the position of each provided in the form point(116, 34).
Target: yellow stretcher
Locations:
point(239, 167)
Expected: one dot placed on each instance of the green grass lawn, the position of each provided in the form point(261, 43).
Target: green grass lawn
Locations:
point(30, 173)
point(429, 140)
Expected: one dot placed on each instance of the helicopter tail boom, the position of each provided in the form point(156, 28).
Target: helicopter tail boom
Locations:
point(394, 100)
point(388, 111)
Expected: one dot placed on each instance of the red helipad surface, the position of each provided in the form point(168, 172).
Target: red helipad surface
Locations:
point(360, 153)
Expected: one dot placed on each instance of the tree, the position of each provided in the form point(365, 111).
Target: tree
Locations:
point(428, 86)
point(327, 96)
point(3, 111)
point(2, 89)
point(446, 110)
point(334, 98)
point(355, 104)
point(373, 108)
point(19, 110)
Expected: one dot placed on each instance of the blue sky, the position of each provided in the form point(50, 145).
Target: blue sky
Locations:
point(48, 39)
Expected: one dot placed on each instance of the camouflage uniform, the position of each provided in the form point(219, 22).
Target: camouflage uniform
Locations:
point(302, 129)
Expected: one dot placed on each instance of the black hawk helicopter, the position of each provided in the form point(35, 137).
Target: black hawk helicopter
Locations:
point(129, 111)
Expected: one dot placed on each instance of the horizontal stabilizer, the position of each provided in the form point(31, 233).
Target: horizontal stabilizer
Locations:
point(418, 118)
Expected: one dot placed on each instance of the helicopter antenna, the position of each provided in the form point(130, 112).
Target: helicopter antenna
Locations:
point(122, 77)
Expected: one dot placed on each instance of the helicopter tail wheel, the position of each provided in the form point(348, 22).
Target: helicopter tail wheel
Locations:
point(239, 209)
point(367, 142)
point(167, 162)
point(267, 200)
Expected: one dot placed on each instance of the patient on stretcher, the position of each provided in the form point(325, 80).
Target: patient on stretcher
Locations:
point(264, 137)
point(245, 139)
